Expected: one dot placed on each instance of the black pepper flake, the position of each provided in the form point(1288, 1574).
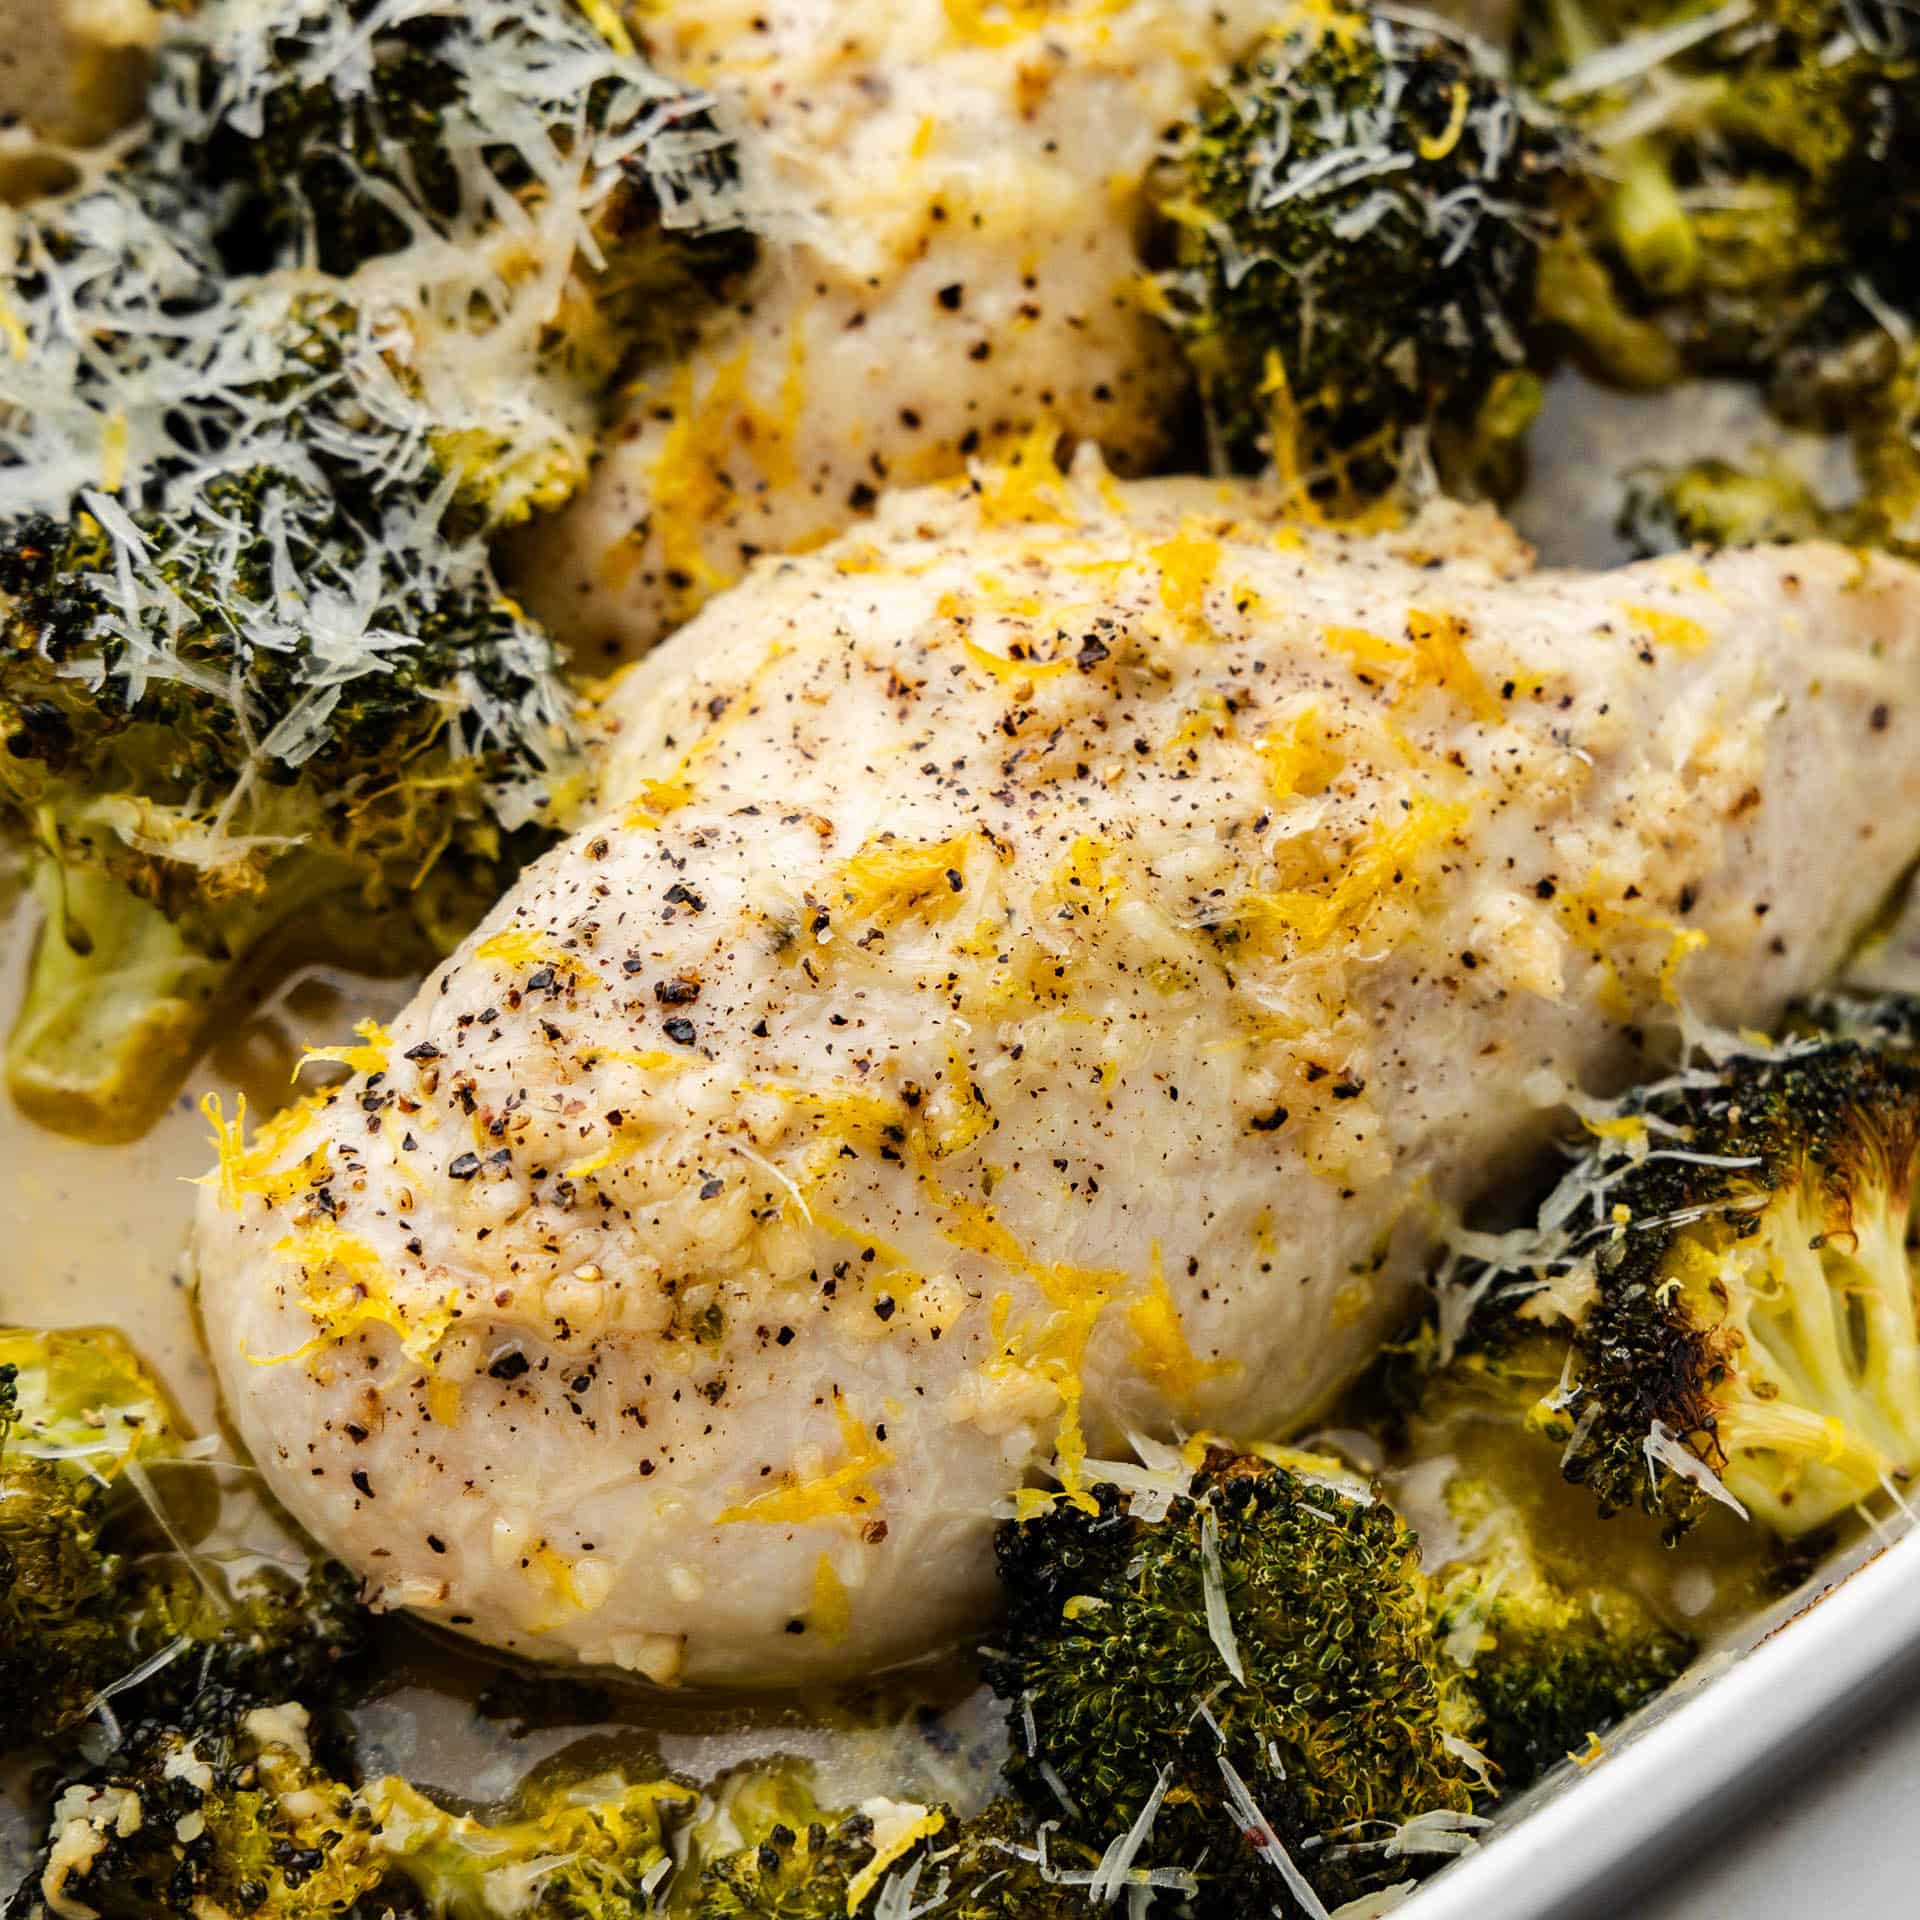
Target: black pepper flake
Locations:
point(360, 1480)
point(465, 1167)
point(509, 1365)
point(784, 1338)
point(1091, 653)
point(680, 1030)
point(436, 1543)
point(950, 296)
point(677, 992)
point(426, 1050)
point(682, 895)
point(712, 1186)
point(1272, 1122)
point(884, 1308)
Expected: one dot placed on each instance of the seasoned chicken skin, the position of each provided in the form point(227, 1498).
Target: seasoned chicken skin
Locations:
point(1046, 965)
point(953, 192)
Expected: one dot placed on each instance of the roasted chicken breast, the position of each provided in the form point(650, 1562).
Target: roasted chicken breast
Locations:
point(1048, 964)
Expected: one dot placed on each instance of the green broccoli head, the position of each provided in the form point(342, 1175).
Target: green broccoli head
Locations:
point(764, 1848)
point(1259, 1666)
point(98, 1606)
point(77, 1411)
point(232, 1815)
point(347, 132)
point(218, 717)
point(244, 1806)
point(1714, 503)
point(593, 1849)
point(1356, 220)
point(1763, 161)
point(1551, 1655)
point(1735, 1291)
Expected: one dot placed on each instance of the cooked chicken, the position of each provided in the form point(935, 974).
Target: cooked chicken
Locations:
point(1047, 965)
point(953, 190)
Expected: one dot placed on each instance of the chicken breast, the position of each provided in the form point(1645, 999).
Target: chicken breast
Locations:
point(953, 194)
point(1045, 966)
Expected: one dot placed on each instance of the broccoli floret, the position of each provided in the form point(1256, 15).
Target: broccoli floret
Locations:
point(1732, 1293)
point(1885, 434)
point(1260, 1664)
point(1356, 219)
point(216, 718)
point(593, 1849)
point(1713, 503)
point(232, 1815)
point(77, 1410)
point(1007, 1864)
point(90, 1610)
point(1763, 163)
point(764, 1848)
point(1552, 1655)
point(245, 1808)
point(348, 131)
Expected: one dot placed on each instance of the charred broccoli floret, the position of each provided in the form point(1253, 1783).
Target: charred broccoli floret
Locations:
point(1258, 1667)
point(1356, 219)
point(75, 1410)
point(257, 661)
point(232, 1815)
point(96, 1605)
point(1733, 1293)
point(217, 719)
point(349, 131)
point(764, 1848)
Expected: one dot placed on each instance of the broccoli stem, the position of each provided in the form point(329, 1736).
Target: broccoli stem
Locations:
point(115, 1002)
point(1648, 224)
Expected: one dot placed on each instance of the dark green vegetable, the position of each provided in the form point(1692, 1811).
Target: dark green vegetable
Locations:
point(220, 718)
point(1737, 1305)
point(1344, 1726)
point(1357, 218)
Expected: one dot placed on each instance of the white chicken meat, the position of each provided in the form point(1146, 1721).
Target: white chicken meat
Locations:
point(1046, 965)
point(953, 193)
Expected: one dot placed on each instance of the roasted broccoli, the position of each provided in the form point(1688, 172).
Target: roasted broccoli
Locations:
point(1356, 220)
point(256, 660)
point(220, 717)
point(763, 1848)
point(245, 1808)
point(97, 1605)
point(1254, 1677)
point(1765, 160)
point(1552, 1654)
point(1728, 1306)
point(231, 1815)
point(349, 131)
point(1713, 503)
